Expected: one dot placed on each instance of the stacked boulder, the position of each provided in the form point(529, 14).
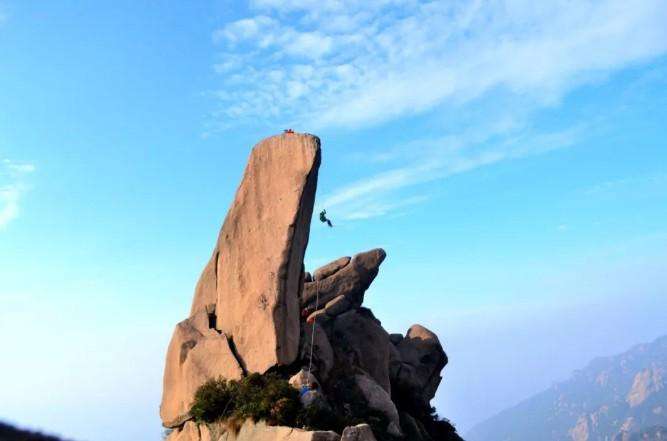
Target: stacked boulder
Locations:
point(349, 342)
point(255, 309)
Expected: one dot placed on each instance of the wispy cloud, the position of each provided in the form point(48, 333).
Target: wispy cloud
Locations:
point(641, 186)
point(347, 63)
point(435, 159)
point(12, 188)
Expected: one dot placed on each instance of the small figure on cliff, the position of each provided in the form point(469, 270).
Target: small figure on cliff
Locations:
point(323, 218)
point(288, 131)
point(308, 394)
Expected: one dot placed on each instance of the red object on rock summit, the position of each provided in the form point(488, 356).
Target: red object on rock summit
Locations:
point(289, 131)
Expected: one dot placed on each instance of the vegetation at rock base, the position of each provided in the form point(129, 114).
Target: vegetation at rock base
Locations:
point(272, 399)
point(259, 397)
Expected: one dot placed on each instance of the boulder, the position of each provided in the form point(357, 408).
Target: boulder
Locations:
point(320, 316)
point(331, 268)
point(251, 431)
point(422, 359)
point(360, 432)
point(359, 340)
point(380, 400)
point(303, 378)
point(396, 338)
point(337, 306)
point(351, 280)
point(260, 251)
point(196, 354)
point(323, 354)
point(395, 362)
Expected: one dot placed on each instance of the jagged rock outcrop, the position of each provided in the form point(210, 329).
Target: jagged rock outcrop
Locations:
point(359, 340)
point(420, 360)
point(255, 309)
point(323, 353)
point(196, 353)
point(380, 400)
point(344, 278)
point(360, 432)
point(245, 311)
point(255, 274)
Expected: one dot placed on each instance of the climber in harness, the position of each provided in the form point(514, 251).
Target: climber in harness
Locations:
point(323, 218)
point(309, 393)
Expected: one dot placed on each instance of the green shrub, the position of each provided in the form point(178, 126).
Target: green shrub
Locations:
point(259, 397)
point(272, 399)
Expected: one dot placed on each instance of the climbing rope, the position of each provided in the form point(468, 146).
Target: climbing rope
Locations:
point(312, 334)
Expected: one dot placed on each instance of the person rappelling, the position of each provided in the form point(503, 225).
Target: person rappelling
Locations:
point(323, 218)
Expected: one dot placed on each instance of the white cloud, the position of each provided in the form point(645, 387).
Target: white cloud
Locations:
point(439, 159)
point(378, 60)
point(18, 168)
point(342, 63)
point(381, 208)
point(12, 188)
point(9, 204)
point(245, 29)
point(649, 185)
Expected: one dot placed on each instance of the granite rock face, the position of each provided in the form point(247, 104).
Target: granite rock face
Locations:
point(359, 340)
point(245, 311)
point(249, 431)
point(421, 360)
point(261, 248)
point(343, 278)
point(254, 274)
point(350, 342)
point(361, 432)
point(206, 289)
point(196, 354)
point(380, 400)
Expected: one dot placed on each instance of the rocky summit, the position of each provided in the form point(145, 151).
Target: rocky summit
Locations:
point(256, 310)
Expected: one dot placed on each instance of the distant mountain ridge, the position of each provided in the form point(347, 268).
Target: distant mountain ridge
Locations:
point(612, 399)
point(11, 433)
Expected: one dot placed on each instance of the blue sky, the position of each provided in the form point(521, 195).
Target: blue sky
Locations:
point(511, 157)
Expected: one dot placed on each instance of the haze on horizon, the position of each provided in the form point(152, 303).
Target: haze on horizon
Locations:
point(511, 157)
